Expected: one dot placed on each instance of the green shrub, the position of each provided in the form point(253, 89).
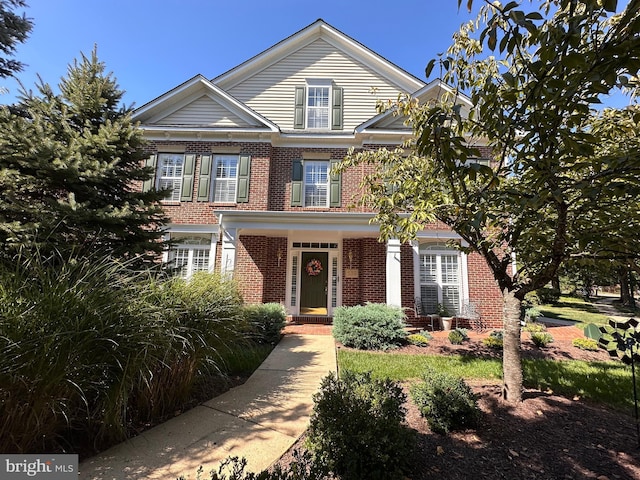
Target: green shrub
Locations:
point(547, 295)
point(534, 327)
point(586, 344)
point(494, 341)
point(92, 348)
point(266, 321)
point(458, 336)
point(356, 428)
point(541, 339)
point(373, 326)
point(532, 314)
point(418, 339)
point(446, 401)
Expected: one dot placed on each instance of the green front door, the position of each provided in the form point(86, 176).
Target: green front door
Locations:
point(314, 283)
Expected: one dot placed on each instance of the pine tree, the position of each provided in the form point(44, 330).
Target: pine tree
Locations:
point(14, 29)
point(70, 169)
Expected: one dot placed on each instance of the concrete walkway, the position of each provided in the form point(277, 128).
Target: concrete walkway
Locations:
point(259, 420)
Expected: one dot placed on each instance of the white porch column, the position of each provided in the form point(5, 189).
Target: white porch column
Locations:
point(394, 289)
point(229, 238)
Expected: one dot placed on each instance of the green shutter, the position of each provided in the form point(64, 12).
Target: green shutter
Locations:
point(335, 187)
point(187, 178)
point(244, 173)
point(298, 116)
point(204, 180)
point(336, 108)
point(296, 183)
point(150, 183)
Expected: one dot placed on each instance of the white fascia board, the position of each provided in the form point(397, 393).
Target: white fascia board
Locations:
point(192, 228)
point(169, 133)
point(337, 221)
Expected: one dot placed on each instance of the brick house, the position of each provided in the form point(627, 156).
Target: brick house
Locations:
point(249, 154)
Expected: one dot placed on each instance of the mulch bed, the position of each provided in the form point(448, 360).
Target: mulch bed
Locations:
point(547, 436)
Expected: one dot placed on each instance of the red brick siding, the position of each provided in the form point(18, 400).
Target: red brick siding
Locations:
point(260, 278)
point(484, 291)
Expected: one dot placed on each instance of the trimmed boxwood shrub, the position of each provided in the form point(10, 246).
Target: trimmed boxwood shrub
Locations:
point(356, 428)
point(373, 326)
point(446, 401)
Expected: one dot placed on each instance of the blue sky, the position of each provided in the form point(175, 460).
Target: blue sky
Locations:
point(152, 46)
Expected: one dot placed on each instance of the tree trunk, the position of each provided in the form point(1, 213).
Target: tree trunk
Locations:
point(625, 296)
point(511, 356)
point(555, 282)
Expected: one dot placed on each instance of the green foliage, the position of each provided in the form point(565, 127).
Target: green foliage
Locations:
point(446, 401)
point(458, 336)
point(586, 344)
point(14, 29)
point(533, 327)
point(266, 321)
point(70, 168)
point(91, 348)
point(494, 340)
point(547, 295)
point(357, 430)
point(418, 339)
point(302, 467)
point(370, 327)
point(532, 314)
point(559, 185)
point(541, 339)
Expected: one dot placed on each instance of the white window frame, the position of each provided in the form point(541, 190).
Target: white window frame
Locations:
point(170, 175)
point(315, 187)
point(219, 180)
point(192, 250)
point(318, 117)
point(440, 253)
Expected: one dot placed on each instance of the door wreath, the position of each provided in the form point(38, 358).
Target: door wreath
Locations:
point(314, 267)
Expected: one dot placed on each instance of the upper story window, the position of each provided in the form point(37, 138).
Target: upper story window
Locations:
point(318, 106)
point(316, 184)
point(226, 178)
point(170, 169)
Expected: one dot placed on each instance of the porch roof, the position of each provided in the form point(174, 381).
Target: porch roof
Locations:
point(270, 222)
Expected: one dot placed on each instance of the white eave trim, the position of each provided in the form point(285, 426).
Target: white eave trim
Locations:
point(298, 220)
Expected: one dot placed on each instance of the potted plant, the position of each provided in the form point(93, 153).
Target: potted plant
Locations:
point(445, 316)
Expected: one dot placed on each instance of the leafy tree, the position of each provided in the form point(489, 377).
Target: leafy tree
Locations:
point(69, 167)
point(530, 105)
point(14, 29)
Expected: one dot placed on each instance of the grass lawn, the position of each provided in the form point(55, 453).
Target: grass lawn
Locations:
point(576, 309)
point(608, 383)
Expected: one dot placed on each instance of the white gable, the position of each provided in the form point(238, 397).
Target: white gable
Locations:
point(205, 111)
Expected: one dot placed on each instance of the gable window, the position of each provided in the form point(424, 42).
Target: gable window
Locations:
point(225, 182)
point(190, 253)
point(318, 106)
point(440, 278)
point(170, 167)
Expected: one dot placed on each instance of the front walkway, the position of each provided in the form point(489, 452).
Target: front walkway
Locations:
point(259, 420)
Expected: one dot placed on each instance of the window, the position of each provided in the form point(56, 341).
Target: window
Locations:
point(316, 183)
point(318, 107)
point(170, 167)
point(440, 278)
point(225, 182)
point(190, 253)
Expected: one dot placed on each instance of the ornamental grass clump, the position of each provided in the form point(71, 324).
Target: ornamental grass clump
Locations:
point(445, 401)
point(357, 427)
point(373, 326)
point(541, 339)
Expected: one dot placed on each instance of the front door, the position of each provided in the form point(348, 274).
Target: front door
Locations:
point(314, 283)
